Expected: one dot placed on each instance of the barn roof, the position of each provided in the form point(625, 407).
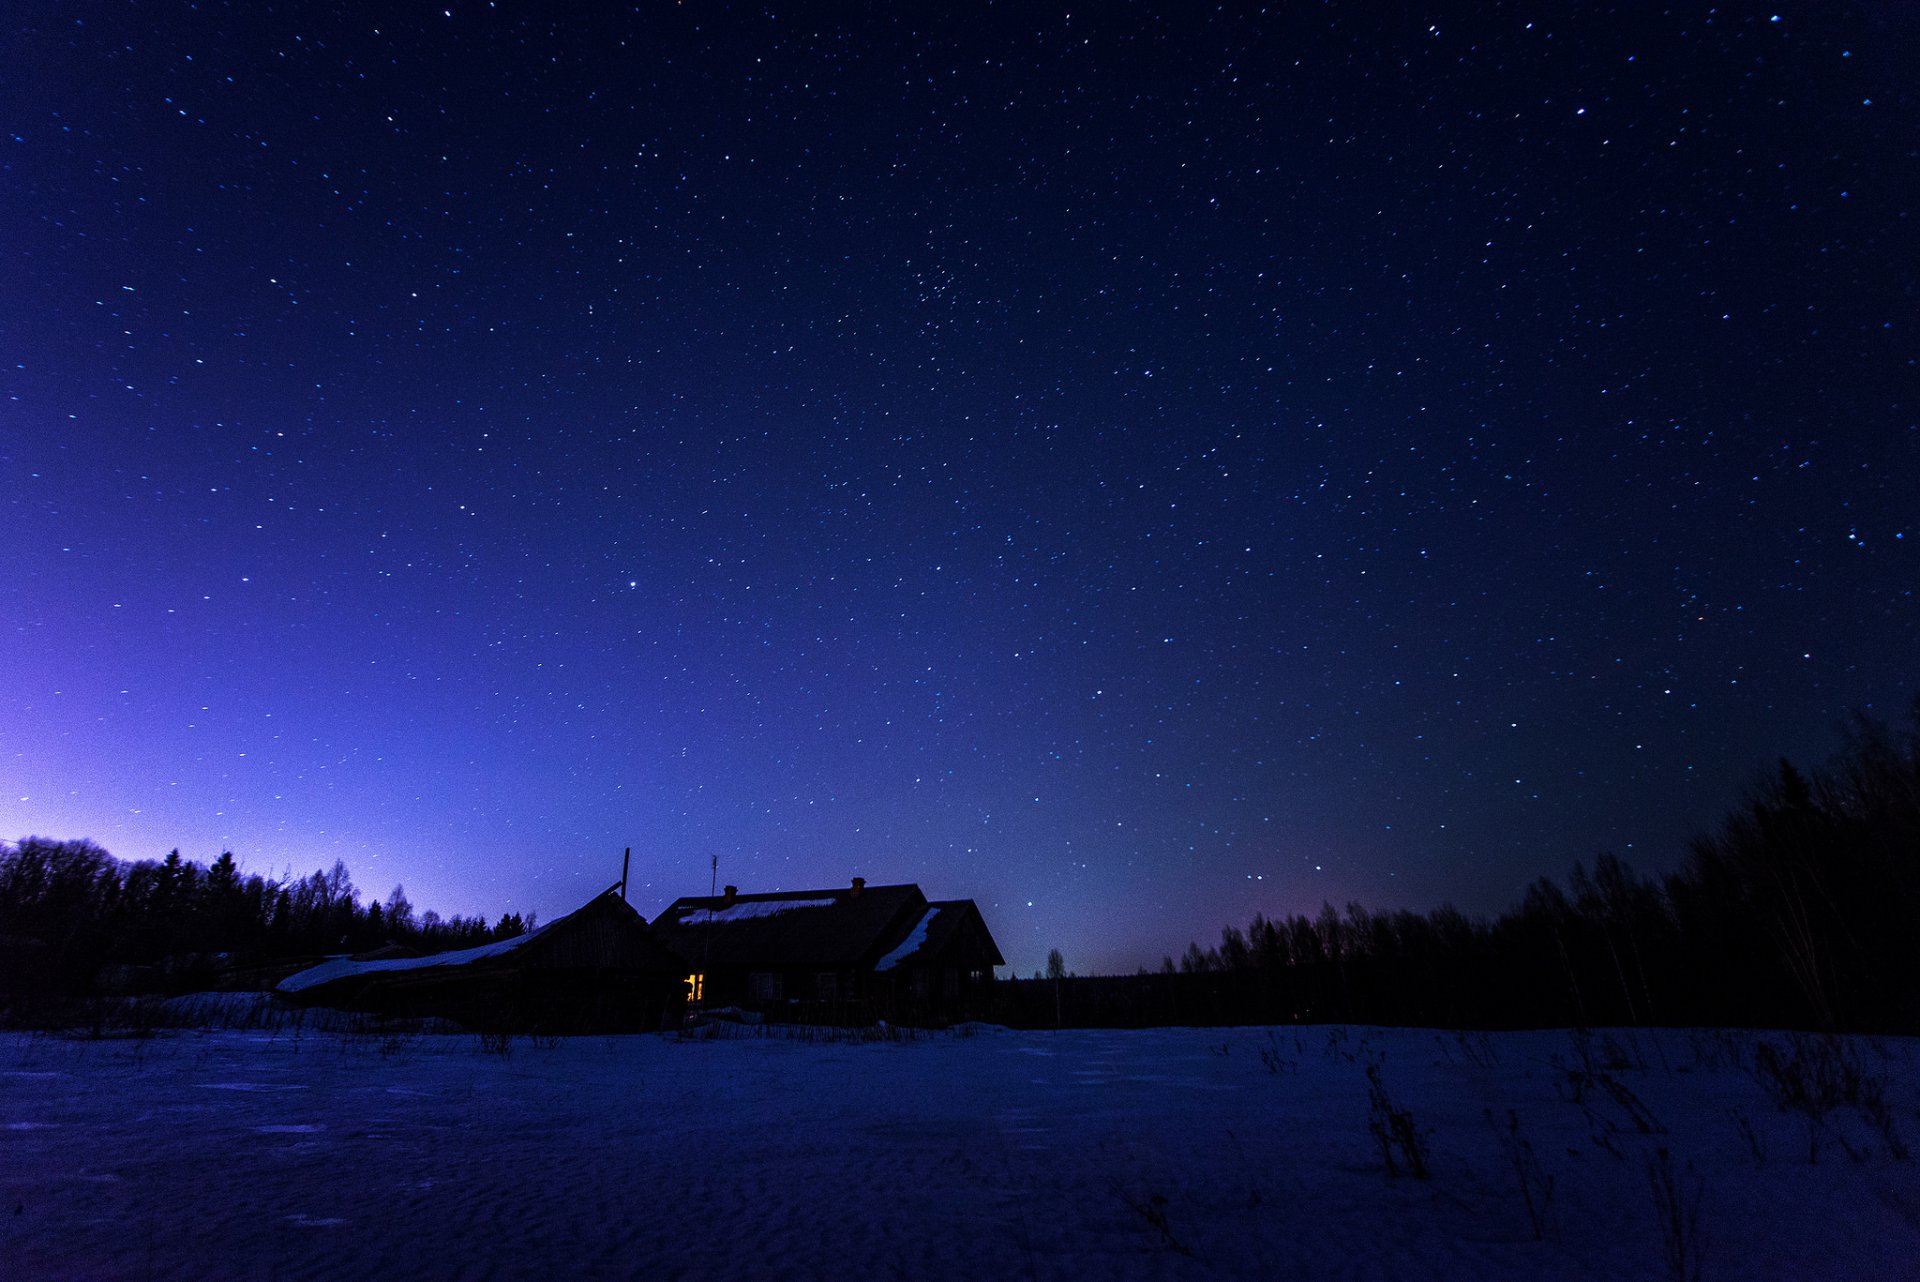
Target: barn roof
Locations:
point(825, 929)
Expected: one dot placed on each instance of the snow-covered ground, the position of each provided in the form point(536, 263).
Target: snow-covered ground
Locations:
point(1180, 1153)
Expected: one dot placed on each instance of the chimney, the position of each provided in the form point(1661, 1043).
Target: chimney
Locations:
point(859, 884)
point(726, 900)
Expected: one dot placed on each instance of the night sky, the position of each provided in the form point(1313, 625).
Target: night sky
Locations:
point(1135, 467)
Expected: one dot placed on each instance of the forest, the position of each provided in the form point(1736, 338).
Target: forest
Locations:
point(75, 921)
point(1796, 911)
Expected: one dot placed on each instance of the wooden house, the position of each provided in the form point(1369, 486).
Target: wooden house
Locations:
point(597, 969)
point(846, 955)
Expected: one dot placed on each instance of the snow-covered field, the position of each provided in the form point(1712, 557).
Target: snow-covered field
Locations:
point(1181, 1153)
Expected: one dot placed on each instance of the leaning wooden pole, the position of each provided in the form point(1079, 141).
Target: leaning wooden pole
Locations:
point(624, 861)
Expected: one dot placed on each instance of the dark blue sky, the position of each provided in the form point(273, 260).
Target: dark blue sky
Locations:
point(1135, 468)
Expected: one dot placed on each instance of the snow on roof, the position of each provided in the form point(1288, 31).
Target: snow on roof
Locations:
point(744, 910)
point(911, 944)
point(343, 967)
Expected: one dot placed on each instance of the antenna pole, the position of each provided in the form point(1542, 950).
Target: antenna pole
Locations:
point(624, 861)
point(706, 962)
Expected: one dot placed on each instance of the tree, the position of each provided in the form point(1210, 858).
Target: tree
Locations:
point(67, 908)
point(224, 903)
point(1234, 953)
point(1056, 971)
point(223, 876)
point(399, 910)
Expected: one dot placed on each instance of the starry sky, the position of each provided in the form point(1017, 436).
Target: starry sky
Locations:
point(1135, 467)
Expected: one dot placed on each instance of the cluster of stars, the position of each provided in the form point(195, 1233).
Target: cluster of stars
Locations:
point(1143, 468)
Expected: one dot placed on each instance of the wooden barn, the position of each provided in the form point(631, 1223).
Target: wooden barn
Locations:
point(847, 955)
point(598, 969)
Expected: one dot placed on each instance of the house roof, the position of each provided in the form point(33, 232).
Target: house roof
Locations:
point(824, 929)
point(910, 947)
point(338, 968)
point(935, 934)
point(881, 927)
point(952, 919)
point(635, 946)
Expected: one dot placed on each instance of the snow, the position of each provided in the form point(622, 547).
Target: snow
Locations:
point(743, 911)
point(271, 1012)
point(1163, 1154)
point(911, 944)
point(341, 967)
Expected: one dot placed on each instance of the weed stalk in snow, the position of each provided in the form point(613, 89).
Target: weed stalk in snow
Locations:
point(1676, 1203)
point(1873, 1102)
point(1536, 1186)
point(1271, 1057)
point(1394, 1130)
point(1478, 1049)
point(1154, 1211)
point(1754, 1143)
point(1814, 1076)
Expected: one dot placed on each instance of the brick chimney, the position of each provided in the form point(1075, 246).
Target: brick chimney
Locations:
point(727, 897)
point(859, 884)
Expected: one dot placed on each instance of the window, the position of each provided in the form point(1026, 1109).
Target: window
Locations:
point(826, 985)
point(763, 986)
point(696, 987)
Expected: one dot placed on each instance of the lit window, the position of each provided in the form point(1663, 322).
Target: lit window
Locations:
point(696, 985)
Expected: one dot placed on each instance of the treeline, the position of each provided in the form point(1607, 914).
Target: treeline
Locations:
point(1799, 910)
point(74, 919)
